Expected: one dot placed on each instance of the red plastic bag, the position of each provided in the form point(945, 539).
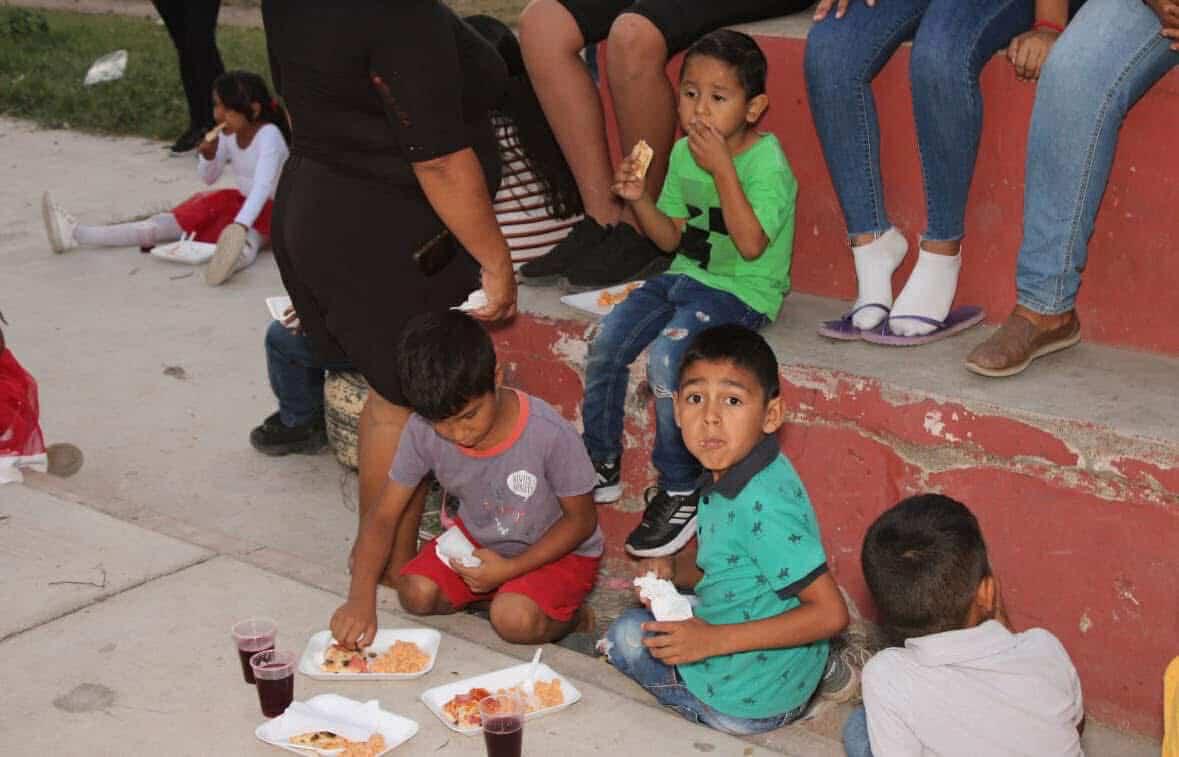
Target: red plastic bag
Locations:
point(20, 431)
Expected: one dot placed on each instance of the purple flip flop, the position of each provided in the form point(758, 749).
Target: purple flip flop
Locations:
point(956, 322)
point(844, 330)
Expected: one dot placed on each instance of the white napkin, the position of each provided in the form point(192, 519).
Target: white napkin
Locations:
point(667, 604)
point(327, 712)
point(454, 544)
point(475, 300)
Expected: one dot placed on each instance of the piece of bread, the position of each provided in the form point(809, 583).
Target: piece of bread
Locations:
point(642, 154)
point(212, 134)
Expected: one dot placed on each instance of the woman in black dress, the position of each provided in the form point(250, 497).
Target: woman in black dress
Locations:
point(384, 206)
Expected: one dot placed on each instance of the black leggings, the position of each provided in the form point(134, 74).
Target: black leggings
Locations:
point(192, 24)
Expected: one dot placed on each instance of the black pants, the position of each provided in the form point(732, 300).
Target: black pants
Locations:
point(192, 24)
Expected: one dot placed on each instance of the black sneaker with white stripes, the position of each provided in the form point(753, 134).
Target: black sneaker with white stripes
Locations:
point(609, 483)
point(669, 522)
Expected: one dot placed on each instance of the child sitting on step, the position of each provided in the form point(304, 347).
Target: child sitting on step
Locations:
point(727, 213)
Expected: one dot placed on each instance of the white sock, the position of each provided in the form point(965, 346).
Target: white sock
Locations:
point(249, 254)
point(158, 228)
point(929, 292)
point(875, 262)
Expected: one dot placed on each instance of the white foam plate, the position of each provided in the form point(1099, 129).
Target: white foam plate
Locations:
point(396, 729)
point(588, 301)
point(426, 638)
point(277, 306)
point(438, 696)
point(187, 252)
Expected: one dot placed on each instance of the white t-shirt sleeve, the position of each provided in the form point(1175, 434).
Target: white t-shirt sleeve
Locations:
point(270, 149)
point(888, 732)
point(210, 170)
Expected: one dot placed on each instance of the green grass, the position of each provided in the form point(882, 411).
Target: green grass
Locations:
point(42, 67)
point(44, 56)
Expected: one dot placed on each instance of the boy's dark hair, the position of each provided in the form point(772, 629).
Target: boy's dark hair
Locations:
point(534, 145)
point(444, 360)
point(923, 560)
point(738, 50)
point(741, 347)
point(239, 90)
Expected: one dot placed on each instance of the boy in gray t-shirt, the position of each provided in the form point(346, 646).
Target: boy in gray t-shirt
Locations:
point(522, 475)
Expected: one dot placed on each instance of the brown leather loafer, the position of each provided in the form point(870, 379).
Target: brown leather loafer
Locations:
point(1017, 343)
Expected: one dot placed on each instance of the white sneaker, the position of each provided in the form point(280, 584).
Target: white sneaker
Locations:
point(227, 257)
point(59, 225)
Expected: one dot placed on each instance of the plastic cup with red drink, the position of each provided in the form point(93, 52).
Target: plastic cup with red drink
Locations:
point(253, 636)
point(503, 724)
point(274, 672)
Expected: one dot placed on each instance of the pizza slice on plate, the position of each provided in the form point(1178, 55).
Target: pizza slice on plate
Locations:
point(337, 659)
point(463, 709)
point(319, 740)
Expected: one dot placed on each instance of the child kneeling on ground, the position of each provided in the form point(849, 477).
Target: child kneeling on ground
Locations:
point(523, 478)
point(958, 680)
point(756, 650)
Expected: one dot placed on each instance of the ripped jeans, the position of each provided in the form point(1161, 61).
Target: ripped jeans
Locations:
point(665, 313)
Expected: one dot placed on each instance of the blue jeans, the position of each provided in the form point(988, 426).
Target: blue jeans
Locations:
point(666, 313)
point(952, 41)
point(1106, 59)
point(855, 734)
point(296, 375)
point(626, 652)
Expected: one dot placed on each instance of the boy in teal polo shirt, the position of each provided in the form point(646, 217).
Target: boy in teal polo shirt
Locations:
point(727, 212)
point(756, 650)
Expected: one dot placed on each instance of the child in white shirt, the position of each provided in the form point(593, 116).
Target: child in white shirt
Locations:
point(959, 679)
point(252, 135)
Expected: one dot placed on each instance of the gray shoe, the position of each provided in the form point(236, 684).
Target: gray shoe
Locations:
point(850, 651)
point(59, 225)
point(227, 256)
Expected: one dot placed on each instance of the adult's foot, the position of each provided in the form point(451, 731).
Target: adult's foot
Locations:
point(188, 141)
point(927, 295)
point(624, 255)
point(550, 268)
point(276, 439)
point(1023, 337)
point(875, 261)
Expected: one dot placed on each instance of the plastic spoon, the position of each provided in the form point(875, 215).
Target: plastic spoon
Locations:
point(527, 685)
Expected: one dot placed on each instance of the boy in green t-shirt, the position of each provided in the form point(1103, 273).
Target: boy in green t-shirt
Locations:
point(727, 211)
point(756, 649)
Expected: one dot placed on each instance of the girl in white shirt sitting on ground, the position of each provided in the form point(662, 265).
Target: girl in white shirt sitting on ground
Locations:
point(251, 134)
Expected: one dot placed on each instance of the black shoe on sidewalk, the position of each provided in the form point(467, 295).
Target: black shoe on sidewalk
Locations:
point(625, 255)
point(551, 267)
point(609, 484)
point(276, 439)
point(668, 524)
point(187, 142)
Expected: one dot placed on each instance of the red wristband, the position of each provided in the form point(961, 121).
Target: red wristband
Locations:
point(1051, 26)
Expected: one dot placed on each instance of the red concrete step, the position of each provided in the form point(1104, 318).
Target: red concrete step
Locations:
point(1128, 298)
point(1073, 469)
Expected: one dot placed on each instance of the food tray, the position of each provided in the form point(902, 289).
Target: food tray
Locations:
point(438, 696)
point(426, 638)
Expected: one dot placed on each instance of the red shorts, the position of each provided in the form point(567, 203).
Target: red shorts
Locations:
point(559, 588)
point(208, 213)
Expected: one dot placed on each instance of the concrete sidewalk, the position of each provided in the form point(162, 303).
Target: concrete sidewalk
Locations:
point(116, 636)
